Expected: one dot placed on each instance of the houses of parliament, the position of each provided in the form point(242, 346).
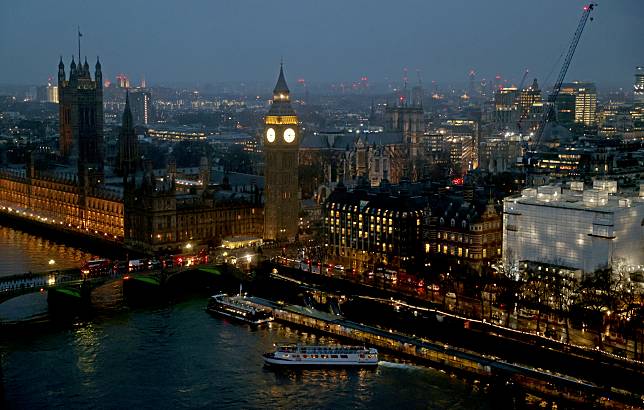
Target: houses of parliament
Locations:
point(138, 206)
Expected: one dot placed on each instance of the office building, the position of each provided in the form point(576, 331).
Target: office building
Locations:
point(638, 87)
point(577, 104)
point(506, 107)
point(141, 106)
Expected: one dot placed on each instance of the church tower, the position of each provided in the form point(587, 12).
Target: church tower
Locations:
point(128, 155)
point(281, 139)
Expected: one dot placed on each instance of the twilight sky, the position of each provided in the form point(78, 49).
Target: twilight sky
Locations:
point(210, 41)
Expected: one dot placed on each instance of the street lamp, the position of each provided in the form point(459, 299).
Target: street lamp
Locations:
point(188, 246)
point(51, 262)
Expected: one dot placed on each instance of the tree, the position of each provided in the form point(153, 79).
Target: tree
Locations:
point(536, 292)
point(509, 283)
point(597, 296)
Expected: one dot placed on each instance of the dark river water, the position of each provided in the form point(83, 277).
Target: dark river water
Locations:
point(179, 356)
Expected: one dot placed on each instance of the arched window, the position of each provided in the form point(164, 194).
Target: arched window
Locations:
point(464, 224)
point(442, 221)
point(453, 223)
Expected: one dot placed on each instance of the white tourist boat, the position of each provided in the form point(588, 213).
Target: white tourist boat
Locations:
point(301, 355)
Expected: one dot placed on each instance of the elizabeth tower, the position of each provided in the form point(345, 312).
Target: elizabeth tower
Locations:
point(281, 144)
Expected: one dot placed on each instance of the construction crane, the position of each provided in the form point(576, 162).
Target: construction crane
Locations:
point(525, 74)
point(552, 98)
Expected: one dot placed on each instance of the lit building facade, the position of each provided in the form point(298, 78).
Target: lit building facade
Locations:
point(637, 112)
point(176, 134)
point(54, 199)
point(468, 233)
point(577, 229)
point(577, 103)
point(142, 108)
point(364, 228)
point(506, 107)
point(638, 87)
point(52, 93)
point(159, 219)
point(531, 107)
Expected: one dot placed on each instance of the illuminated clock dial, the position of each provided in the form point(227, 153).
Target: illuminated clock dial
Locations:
point(270, 135)
point(289, 135)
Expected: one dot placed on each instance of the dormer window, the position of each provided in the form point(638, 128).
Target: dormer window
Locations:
point(452, 223)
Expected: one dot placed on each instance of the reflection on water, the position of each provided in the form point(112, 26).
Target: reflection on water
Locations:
point(21, 252)
point(180, 356)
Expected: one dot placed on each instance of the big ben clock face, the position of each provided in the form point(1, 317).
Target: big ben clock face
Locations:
point(270, 135)
point(289, 135)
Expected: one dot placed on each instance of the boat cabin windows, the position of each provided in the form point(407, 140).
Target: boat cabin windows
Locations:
point(344, 356)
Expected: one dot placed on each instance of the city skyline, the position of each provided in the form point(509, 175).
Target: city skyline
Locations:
point(219, 43)
point(206, 194)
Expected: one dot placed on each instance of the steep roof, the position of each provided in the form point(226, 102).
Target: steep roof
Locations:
point(343, 140)
point(281, 106)
point(281, 86)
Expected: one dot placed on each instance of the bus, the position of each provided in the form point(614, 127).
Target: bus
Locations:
point(96, 267)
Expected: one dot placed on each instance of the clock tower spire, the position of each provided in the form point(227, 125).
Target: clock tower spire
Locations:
point(281, 140)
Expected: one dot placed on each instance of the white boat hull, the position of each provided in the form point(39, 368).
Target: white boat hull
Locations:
point(273, 361)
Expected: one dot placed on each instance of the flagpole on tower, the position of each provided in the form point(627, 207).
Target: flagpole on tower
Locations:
point(79, 36)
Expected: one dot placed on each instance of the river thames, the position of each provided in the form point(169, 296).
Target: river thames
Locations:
point(179, 356)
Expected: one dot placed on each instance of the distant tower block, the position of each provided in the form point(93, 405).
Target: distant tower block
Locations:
point(281, 143)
